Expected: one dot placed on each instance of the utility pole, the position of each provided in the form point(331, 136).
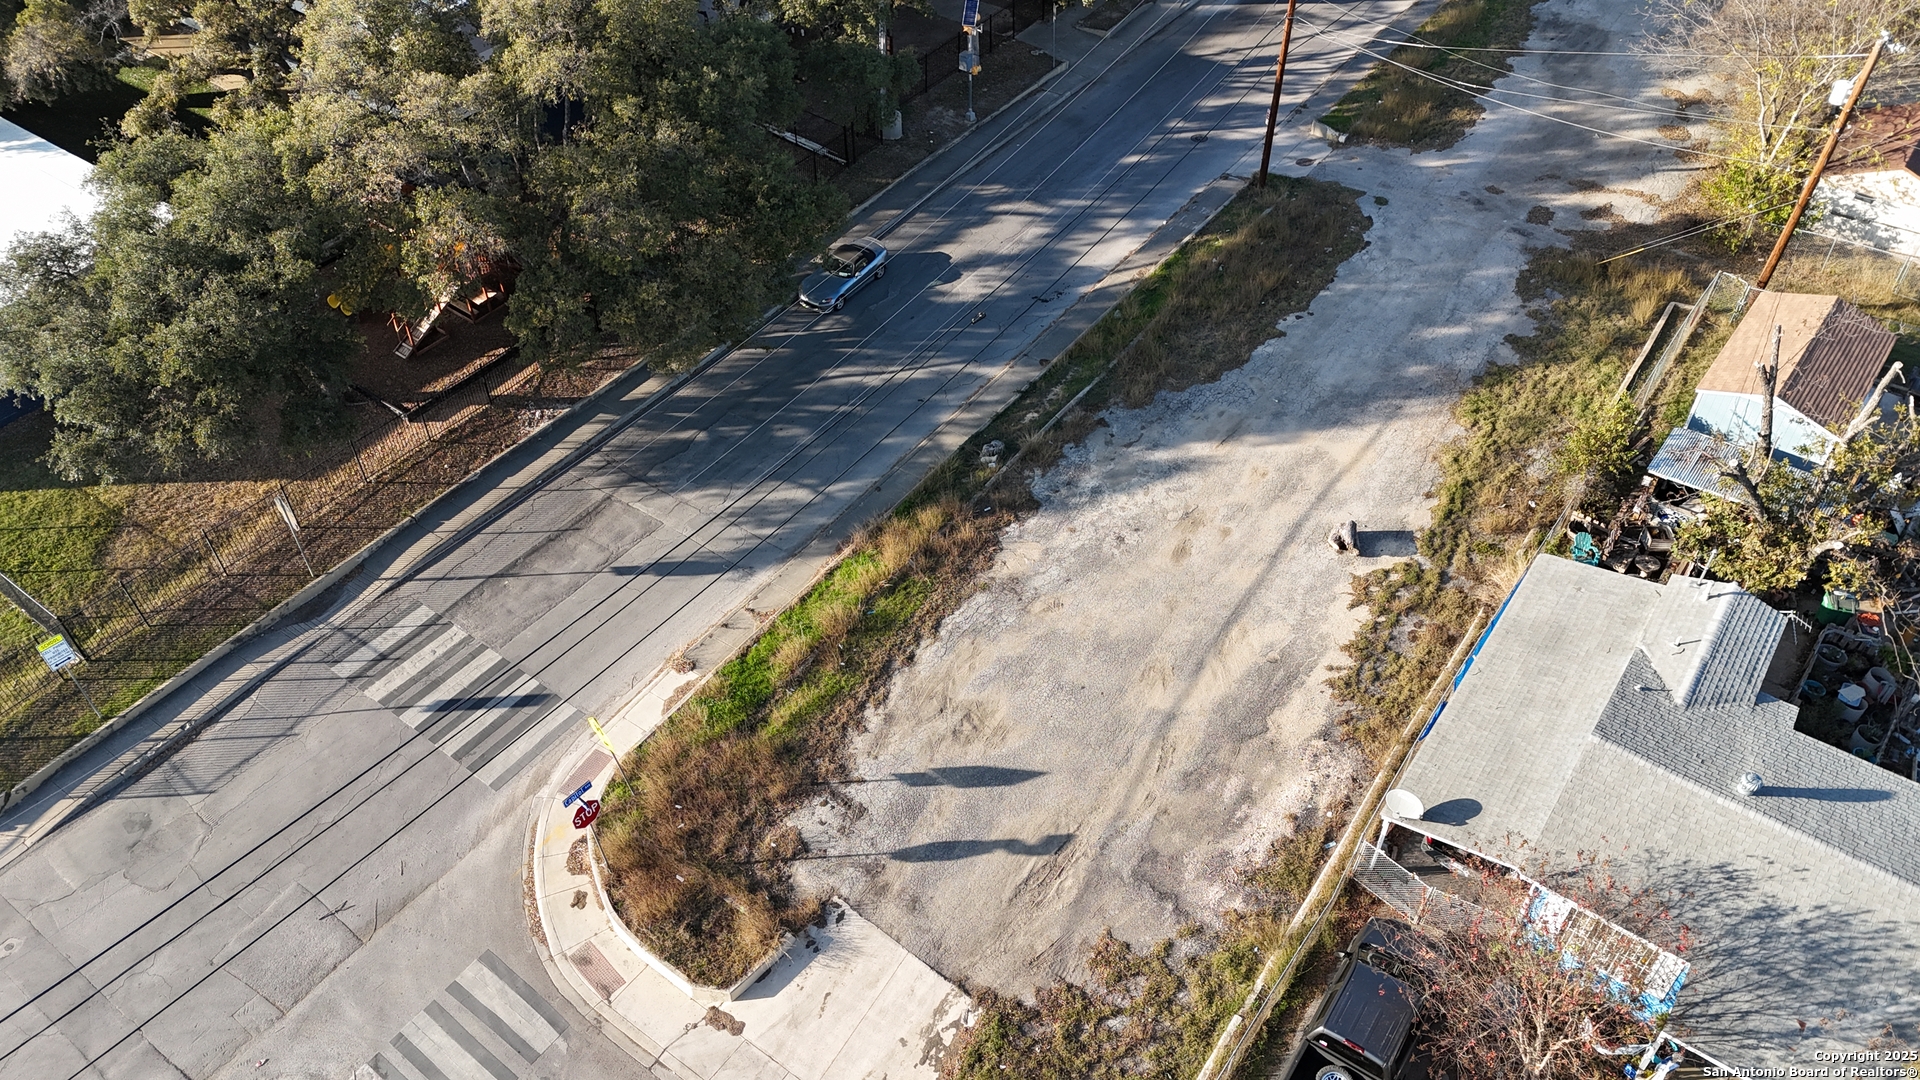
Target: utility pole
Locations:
point(1273, 107)
point(1770, 375)
point(1819, 165)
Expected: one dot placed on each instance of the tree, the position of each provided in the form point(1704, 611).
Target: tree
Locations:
point(185, 317)
point(1501, 1001)
point(1783, 57)
point(54, 48)
point(1839, 511)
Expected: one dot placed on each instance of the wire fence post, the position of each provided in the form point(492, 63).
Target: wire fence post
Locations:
point(213, 552)
point(121, 580)
point(84, 696)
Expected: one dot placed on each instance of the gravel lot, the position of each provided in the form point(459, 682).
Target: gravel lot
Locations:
point(1131, 709)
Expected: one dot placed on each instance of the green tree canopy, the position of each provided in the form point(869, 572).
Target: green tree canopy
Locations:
point(387, 154)
point(169, 328)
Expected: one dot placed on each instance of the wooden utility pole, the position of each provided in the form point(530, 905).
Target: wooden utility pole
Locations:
point(1819, 166)
point(1273, 108)
point(1770, 375)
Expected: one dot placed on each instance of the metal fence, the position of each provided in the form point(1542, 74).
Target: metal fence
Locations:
point(1403, 891)
point(827, 146)
point(188, 587)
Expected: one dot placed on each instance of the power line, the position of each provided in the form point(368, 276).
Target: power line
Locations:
point(1637, 104)
point(1694, 231)
point(1482, 93)
point(1417, 43)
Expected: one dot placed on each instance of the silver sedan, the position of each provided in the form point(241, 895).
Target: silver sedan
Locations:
point(849, 266)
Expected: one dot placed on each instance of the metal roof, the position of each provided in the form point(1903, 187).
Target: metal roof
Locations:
point(1830, 355)
point(1880, 140)
point(1694, 459)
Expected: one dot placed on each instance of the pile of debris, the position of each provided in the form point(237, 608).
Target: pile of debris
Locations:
point(1640, 539)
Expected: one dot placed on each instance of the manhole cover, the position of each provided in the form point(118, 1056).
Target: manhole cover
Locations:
point(1199, 137)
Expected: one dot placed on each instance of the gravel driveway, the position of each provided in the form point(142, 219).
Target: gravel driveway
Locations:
point(1131, 709)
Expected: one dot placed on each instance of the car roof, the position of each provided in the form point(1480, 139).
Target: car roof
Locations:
point(1387, 936)
point(1374, 1010)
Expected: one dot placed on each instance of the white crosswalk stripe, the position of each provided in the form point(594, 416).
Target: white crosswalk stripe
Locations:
point(469, 700)
point(488, 1024)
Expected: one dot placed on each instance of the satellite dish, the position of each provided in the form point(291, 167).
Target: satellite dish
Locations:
point(1405, 805)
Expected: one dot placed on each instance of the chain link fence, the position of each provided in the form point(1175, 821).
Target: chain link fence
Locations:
point(197, 586)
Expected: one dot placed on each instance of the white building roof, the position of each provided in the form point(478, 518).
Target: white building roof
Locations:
point(42, 183)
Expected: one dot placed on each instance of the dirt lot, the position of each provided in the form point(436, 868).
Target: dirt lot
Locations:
point(1133, 707)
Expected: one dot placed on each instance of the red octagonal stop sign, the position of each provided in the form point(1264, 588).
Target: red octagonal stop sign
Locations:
point(583, 815)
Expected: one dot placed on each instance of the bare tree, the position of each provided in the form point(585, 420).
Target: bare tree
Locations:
point(1502, 1000)
point(1782, 58)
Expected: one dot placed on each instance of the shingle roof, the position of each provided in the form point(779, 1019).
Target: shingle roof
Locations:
point(1830, 355)
point(1607, 713)
point(1880, 139)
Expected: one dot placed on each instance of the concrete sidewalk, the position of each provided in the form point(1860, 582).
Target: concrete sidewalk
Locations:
point(842, 1001)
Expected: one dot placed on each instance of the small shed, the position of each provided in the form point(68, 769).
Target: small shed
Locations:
point(1831, 355)
point(1870, 194)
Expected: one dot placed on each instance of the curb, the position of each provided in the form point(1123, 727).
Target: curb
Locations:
point(270, 619)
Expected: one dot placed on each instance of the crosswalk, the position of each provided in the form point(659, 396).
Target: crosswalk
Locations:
point(469, 700)
point(488, 1024)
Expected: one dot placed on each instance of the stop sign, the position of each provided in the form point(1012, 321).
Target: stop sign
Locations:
point(588, 810)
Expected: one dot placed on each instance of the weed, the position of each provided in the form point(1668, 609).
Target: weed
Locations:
point(1538, 435)
point(697, 845)
point(1407, 100)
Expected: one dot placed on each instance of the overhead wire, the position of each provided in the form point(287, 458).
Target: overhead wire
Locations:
point(1482, 93)
point(1088, 205)
point(1505, 73)
point(1695, 231)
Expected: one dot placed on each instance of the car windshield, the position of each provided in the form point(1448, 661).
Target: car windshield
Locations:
point(848, 261)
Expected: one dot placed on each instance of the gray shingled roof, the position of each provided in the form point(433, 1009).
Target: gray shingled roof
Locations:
point(1567, 734)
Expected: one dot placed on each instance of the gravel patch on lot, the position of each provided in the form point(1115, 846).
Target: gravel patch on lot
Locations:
point(1133, 708)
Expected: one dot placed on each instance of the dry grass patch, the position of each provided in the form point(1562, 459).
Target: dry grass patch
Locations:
point(1200, 314)
point(696, 846)
point(1539, 435)
point(1418, 108)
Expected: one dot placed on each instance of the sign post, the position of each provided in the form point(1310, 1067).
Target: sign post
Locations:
point(59, 655)
point(970, 60)
point(281, 504)
point(601, 734)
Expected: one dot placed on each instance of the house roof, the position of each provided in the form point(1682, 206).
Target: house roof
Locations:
point(1878, 140)
point(1830, 355)
point(42, 183)
point(1607, 713)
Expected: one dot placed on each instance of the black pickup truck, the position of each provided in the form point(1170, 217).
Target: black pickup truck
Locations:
point(1364, 1027)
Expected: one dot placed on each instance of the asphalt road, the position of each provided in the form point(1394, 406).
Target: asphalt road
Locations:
point(327, 883)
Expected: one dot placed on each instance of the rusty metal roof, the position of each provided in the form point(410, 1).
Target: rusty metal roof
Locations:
point(1880, 139)
point(1830, 355)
